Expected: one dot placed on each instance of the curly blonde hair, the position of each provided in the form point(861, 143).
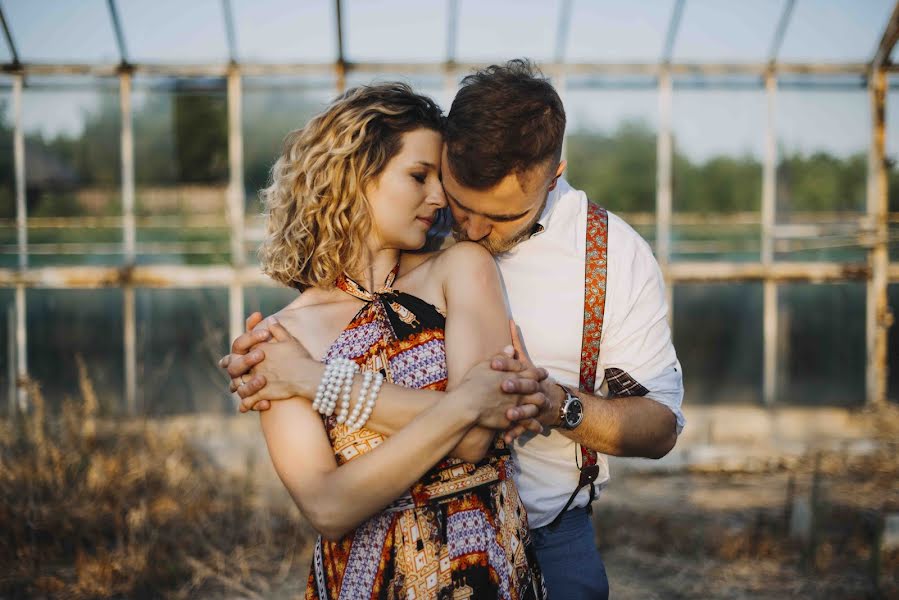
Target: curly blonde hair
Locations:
point(317, 215)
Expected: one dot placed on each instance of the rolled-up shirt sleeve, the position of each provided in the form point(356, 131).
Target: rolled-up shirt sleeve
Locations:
point(637, 356)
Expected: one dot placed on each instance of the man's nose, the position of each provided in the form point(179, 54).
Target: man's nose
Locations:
point(477, 227)
point(437, 197)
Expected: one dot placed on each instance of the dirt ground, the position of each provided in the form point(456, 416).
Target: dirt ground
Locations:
point(728, 535)
point(135, 510)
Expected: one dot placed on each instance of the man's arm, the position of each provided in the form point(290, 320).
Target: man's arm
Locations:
point(635, 426)
point(263, 372)
point(641, 413)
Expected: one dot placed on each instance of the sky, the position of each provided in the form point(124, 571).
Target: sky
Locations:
point(706, 122)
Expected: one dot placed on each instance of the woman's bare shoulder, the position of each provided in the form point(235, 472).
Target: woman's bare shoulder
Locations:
point(464, 257)
point(293, 313)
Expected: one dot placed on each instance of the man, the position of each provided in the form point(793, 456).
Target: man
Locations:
point(502, 172)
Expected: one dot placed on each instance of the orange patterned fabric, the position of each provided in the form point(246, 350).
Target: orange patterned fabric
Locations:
point(461, 530)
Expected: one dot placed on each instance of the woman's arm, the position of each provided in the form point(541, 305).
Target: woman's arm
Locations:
point(337, 499)
point(477, 324)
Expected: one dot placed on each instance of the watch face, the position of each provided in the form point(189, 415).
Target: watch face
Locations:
point(574, 413)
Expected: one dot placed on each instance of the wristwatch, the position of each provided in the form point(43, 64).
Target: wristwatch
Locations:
point(572, 411)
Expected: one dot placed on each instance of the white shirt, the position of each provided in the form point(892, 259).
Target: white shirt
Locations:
point(544, 281)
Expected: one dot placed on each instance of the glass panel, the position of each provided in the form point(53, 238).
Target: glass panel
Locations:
point(718, 336)
point(5, 54)
point(60, 31)
point(719, 138)
point(823, 140)
point(821, 344)
point(271, 109)
point(181, 334)
point(504, 29)
point(893, 346)
point(611, 150)
point(405, 30)
point(181, 170)
point(8, 243)
point(72, 170)
point(440, 89)
point(174, 31)
point(892, 152)
point(280, 31)
point(617, 30)
point(74, 339)
point(835, 30)
point(7, 347)
point(726, 31)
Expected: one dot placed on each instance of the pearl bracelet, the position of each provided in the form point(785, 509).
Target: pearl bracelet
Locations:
point(336, 383)
point(371, 383)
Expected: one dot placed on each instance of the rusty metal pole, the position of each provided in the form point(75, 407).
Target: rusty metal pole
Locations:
point(22, 238)
point(664, 151)
point(236, 202)
point(769, 190)
point(129, 237)
point(877, 313)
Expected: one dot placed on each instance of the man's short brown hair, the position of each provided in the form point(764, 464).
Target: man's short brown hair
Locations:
point(505, 119)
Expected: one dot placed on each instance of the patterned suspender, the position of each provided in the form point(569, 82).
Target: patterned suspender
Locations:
point(596, 254)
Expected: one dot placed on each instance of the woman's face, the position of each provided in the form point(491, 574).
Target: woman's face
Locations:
point(406, 196)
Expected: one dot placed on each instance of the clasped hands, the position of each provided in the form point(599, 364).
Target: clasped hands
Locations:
point(507, 391)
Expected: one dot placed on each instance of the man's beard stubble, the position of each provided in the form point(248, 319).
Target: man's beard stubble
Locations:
point(504, 245)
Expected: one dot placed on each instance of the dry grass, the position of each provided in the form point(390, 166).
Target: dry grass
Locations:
point(93, 509)
point(725, 535)
point(88, 513)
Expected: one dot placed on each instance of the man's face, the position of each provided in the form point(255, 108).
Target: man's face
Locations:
point(500, 217)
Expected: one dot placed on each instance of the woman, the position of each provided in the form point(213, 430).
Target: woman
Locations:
point(354, 193)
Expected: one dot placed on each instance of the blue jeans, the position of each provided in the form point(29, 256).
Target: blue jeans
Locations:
point(570, 560)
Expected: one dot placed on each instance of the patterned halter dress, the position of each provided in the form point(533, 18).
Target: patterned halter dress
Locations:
point(461, 531)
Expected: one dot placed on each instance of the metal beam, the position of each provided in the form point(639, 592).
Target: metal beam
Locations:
point(673, 27)
point(781, 272)
point(664, 159)
point(664, 155)
point(340, 67)
point(236, 200)
point(887, 40)
point(22, 238)
point(117, 29)
point(877, 312)
point(780, 32)
point(562, 29)
point(9, 41)
point(223, 276)
point(581, 69)
point(769, 208)
point(452, 30)
point(129, 240)
point(230, 31)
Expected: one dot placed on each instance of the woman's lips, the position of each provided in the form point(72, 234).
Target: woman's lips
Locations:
point(426, 221)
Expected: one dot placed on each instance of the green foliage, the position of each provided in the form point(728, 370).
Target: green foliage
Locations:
point(181, 137)
point(617, 170)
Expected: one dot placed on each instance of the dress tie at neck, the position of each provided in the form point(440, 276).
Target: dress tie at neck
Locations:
point(353, 288)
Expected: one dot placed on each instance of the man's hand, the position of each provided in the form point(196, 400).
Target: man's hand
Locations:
point(548, 414)
point(247, 354)
point(491, 392)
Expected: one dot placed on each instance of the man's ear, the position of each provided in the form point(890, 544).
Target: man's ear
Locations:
point(559, 170)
